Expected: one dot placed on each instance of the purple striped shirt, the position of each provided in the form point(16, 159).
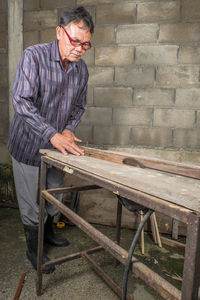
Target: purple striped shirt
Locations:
point(46, 99)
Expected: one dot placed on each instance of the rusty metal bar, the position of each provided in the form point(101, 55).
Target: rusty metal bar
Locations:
point(73, 256)
point(115, 287)
point(118, 221)
point(191, 271)
point(41, 230)
point(19, 288)
point(163, 287)
point(74, 188)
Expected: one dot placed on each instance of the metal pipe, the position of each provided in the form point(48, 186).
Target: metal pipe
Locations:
point(130, 253)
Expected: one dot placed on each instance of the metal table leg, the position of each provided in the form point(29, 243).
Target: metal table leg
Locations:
point(118, 222)
point(191, 271)
point(41, 229)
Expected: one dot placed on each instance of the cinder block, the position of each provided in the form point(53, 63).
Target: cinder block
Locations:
point(48, 4)
point(112, 96)
point(4, 120)
point(111, 135)
point(88, 57)
point(31, 38)
point(179, 32)
point(188, 98)
point(92, 2)
point(3, 77)
point(84, 133)
point(3, 59)
point(100, 76)
point(3, 21)
point(191, 9)
point(97, 115)
point(90, 96)
point(47, 35)
point(174, 118)
point(103, 35)
point(3, 5)
point(198, 119)
point(158, 11)
point(153, 96)
point(154, 137)
point(31, 4)
point(113, 56)
point(3, 40)
point(156, 55)
point(132, 116)
point(120, 13)
point(185, 138)
point(178, 76)
point(4, 94)
point(137, 33)
point(136, 76)
point(189, 55)
point(40, 19)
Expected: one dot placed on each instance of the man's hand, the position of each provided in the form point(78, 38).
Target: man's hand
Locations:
point(66, 141)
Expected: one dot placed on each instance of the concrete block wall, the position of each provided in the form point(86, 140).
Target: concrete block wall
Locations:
point(4, 104)
point(144, 70)
point(144, 75)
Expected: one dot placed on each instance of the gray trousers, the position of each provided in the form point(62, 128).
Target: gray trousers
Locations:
point(27, 186)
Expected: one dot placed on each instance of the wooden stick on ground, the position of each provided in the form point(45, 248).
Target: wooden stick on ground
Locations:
point(142, 232)
point(156, 230)
point(153, 229)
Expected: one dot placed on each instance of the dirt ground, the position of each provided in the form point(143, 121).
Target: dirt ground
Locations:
point(76, 280)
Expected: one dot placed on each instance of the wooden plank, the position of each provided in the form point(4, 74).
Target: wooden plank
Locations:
point(152, 163)
point(170, 187)
point(171, 243)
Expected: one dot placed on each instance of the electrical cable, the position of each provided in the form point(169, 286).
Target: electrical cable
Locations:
point(130, 253)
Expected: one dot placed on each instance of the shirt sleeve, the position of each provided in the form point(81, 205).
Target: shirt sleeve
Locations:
point(78, 108)
point(25, 95)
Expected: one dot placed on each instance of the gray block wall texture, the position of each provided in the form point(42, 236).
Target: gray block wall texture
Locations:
point(144, 88)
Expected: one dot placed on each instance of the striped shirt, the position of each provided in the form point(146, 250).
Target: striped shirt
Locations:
point(46, 99)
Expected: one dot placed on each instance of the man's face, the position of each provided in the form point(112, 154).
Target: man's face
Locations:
point(77, 32)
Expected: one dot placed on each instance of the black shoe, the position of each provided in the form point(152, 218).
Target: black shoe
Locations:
point(49, 236)
point(31, 234)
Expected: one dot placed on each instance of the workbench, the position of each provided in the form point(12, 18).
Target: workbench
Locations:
point(170, 188)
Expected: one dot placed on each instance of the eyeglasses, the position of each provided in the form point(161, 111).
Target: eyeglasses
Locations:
point(85, 46)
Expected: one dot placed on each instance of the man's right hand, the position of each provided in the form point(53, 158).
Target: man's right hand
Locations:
point(63, 143)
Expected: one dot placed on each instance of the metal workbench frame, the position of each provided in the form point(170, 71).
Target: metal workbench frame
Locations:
point(191, 271)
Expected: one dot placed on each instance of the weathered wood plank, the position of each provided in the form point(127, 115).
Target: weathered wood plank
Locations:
point(152, 163)
point(180, 190)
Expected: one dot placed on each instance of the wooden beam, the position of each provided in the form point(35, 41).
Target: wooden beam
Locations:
point(150, 163)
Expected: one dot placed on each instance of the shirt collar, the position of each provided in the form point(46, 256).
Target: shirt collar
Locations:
point(55, 56)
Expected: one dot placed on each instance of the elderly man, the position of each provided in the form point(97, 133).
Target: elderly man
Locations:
point(49, 96)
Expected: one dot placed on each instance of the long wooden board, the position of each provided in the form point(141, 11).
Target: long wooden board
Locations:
point(148, 162)
point(180, 190)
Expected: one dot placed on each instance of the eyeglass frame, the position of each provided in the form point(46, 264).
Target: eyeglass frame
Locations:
point(73, 41)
